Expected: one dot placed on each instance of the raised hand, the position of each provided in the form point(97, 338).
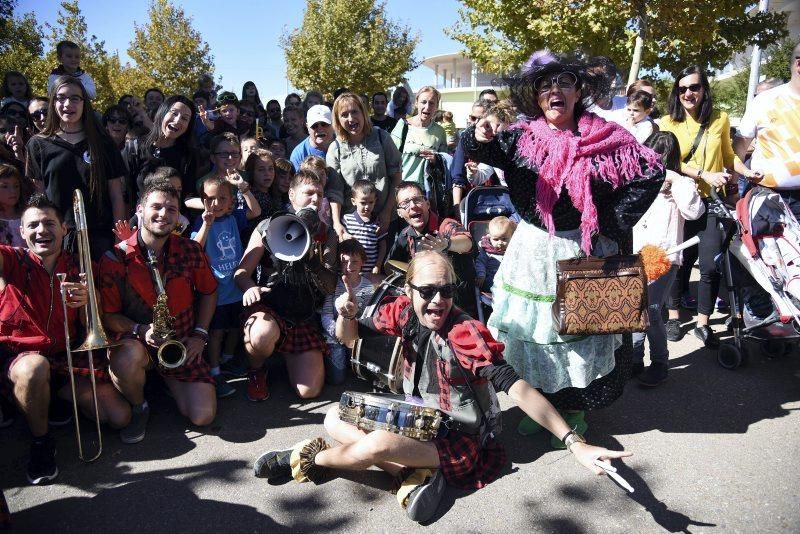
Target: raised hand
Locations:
point(208, 212)
point(122, 230)
point(346, 302)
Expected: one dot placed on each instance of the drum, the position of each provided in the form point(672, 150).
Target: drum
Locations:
point(391, 413)
point(379, 359)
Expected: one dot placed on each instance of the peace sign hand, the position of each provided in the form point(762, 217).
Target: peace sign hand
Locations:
point(346, 302)
point(208, 212)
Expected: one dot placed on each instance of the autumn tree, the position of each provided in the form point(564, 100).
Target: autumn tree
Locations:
point(348, 43)
point(168, 52)
point(501, 34)
point(21, 48)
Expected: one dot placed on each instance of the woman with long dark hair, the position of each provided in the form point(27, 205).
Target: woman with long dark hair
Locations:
point(708, 158)
point(74, 152)
point(250, 94)
point(170, 143)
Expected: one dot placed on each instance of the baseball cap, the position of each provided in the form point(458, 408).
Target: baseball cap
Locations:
point(318, 113)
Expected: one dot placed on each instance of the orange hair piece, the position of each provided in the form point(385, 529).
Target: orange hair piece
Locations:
point(656, 262)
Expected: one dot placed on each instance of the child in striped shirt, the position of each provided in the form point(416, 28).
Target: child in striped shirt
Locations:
point(363, 225)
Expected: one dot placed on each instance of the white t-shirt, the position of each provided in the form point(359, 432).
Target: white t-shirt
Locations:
point(773, 119)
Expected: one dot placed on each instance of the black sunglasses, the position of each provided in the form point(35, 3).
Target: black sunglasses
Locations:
point(695, 87)
point(447, 291)
point(39, 114)
point(247, 113)
point(116, 120)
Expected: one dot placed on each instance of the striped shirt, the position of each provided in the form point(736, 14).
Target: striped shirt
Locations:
point(366, 233)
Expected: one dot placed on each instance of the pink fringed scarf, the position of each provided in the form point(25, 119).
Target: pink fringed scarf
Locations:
point(603, 151)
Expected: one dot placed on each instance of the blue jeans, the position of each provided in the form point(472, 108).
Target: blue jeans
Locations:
point(657, 293)
point(336, 364)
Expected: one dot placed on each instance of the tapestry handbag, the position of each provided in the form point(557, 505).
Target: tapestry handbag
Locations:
point(601, 296)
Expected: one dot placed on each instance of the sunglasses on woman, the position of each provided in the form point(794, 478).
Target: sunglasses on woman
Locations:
point(564, 80)
point(695, 87)
point(447, 291)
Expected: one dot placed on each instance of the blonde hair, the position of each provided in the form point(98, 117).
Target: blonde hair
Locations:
point(316, 165)
point(502, 224)
point(338, 127)
point(427, 256)
point(429, 89)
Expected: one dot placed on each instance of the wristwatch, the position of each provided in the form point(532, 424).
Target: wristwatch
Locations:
point(571, 438)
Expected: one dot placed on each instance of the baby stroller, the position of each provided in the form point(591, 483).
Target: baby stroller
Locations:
point(481, 205)
point(765, 240)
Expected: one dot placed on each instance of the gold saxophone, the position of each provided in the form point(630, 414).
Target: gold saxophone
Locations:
point(171, 353)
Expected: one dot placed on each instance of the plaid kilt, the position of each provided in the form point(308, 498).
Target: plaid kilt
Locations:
point(467, 465)
point(197, 371)
point(59, 370)
point(295, 337)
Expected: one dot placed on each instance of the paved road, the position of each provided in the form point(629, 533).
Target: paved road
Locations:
point(715, 451)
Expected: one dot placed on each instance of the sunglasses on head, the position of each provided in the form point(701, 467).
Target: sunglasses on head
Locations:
point(564, 80)
point(227, 98)
point(447, 291)
point(695, 87)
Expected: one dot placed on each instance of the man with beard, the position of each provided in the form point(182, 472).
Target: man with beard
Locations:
point(128, 276)
point(33, 340)
point(320, 136)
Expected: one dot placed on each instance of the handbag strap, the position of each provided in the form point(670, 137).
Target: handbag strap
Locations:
point(696, 143)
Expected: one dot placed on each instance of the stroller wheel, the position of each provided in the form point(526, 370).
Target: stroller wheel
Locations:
point(730, 356)
point(773, 348)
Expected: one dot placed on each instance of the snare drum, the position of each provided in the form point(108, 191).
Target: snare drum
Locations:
point(379, 359)
point(391, 413)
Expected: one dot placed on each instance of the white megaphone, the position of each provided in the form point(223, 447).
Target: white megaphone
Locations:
point(289, 236)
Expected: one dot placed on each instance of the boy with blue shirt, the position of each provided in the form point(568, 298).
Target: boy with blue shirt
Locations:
point(218, 230)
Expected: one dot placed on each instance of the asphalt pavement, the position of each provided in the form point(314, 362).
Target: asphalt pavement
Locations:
point(714, 451)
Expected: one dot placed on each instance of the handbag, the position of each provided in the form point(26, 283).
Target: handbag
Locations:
point(601, 296)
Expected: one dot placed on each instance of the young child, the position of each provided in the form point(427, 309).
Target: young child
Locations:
point(15, 89)
point(260, 168)
point(219, 233)
point(11, 201)
point(69, 56)
point(318, 166)
point(351, 260)
point(639, 108)
point(363, 225)
point(449, 130)
point(662, 225)
point(491, 250)
point(284, 172)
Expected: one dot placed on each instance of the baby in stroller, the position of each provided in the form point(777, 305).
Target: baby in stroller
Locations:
point(491, 249)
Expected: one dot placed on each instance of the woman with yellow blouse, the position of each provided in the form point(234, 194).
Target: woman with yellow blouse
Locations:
point(707, 154)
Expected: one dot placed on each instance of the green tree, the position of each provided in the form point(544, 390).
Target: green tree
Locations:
point(501, 34)
point(21, 48)
point(348, 43)
point(168, 49)
point(778, 58)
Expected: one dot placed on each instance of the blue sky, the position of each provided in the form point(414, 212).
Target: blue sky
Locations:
point(243, 34)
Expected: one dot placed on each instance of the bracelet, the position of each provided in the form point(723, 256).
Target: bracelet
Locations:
point(449, 242)
point(571, 438)
point(699, 174)
point(202, 333)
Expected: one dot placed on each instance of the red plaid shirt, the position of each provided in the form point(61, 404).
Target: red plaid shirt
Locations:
point(126, 283)
point(31, 311)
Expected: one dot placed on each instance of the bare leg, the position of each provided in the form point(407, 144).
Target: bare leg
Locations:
point(346, 434)
point(128, 363)
point(261, 333)
point(377, 447)
point(306, 373)
point(196, 400)
point(215, 347)
point(111, 405)
point(31, 378)
point(231, 340)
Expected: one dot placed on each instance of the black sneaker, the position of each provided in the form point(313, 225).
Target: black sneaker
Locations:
point(42, 467)
point(60, 412)
point(655, 374)
point(674, 332)
point(274, 464)
point(707, 336)
point(136, 429)
point(424, 499)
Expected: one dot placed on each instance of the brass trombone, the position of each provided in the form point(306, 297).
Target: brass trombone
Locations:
point(95, 334)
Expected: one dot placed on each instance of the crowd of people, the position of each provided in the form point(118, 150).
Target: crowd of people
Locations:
point(182, 195)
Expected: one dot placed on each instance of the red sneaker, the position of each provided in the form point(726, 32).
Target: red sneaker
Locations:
point(257, 387)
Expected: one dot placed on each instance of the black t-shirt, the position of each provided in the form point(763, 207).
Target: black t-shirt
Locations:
point(143, 160)
point(64, 167)
point(386, 124)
